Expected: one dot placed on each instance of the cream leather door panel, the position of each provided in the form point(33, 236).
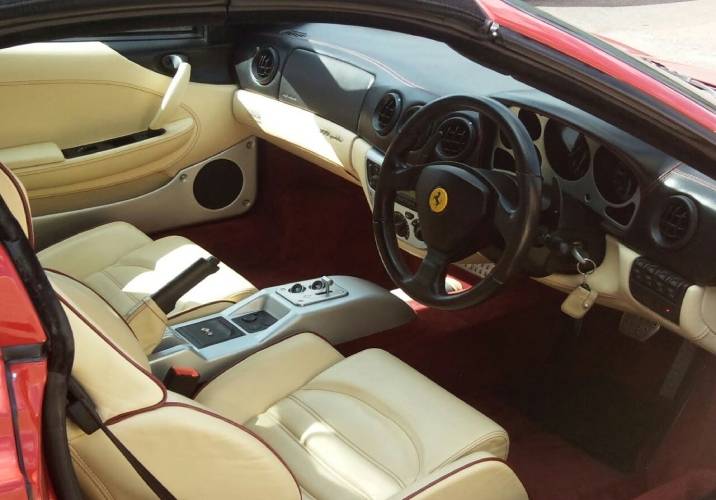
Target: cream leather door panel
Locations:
point(57, 96)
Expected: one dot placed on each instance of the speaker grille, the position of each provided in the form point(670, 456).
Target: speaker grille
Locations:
point(218, 184)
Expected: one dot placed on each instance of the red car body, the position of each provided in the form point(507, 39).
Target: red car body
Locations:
point(22, 383)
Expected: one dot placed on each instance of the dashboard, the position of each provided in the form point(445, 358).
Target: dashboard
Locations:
point(338, 95)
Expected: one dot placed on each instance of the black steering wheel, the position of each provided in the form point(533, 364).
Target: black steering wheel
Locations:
point(462, 209)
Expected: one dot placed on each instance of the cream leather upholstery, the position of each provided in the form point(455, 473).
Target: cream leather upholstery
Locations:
point(363, 427)
point(124, 265)
point(366, 427)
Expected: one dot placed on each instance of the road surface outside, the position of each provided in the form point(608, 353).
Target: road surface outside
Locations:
point(682, 31)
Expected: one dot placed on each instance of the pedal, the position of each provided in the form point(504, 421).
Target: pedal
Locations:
point(679, 369)
point(638, 328)
point(479, 270)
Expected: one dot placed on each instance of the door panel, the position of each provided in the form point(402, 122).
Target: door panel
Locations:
point(56, 96)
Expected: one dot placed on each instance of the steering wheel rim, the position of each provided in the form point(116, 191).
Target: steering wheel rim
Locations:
point(517, 224)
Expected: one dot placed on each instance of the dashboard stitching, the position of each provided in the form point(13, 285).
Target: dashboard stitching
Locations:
point(696, 180)
point(662, 177)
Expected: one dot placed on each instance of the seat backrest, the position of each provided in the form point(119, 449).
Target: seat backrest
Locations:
point(194, 452)
point(13, 193)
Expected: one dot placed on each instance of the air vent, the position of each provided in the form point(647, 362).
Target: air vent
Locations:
point(676, 223)
point(295, 33)
point(265, 66)
point(387, 113)
point(458, 138)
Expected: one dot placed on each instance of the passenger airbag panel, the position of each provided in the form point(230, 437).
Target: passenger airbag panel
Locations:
point(326, 86)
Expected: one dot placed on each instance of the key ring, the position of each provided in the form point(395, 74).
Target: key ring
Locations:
point(587, 273)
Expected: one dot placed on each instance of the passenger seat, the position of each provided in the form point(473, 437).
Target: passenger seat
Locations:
point(123, 265)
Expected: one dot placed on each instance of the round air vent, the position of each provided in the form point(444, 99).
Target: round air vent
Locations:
point(387, 113)
point(458, 138)
point(264, 66)
point(675, 223)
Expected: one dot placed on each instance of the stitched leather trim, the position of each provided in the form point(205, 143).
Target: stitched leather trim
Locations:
point(60, 273)
point(347, 441)
point(661, 178)
point(452, 473)
point(25, 203)
point(316, 458)
point(203, 386)
point(130, 360)
point(240, 427)
point(78, 233)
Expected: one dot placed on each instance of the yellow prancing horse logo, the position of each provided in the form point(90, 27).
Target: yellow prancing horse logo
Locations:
point(438, 200)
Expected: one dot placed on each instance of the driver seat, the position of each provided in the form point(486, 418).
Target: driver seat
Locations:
point(294, 421)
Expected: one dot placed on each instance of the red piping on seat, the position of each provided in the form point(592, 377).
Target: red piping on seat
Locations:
point(452, 473)
point(25, 203)
point(130, 360)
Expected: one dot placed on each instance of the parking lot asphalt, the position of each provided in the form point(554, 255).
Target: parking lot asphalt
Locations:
point(682, 31)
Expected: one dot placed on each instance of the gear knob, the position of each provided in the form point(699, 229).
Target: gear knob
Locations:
point(327, 283)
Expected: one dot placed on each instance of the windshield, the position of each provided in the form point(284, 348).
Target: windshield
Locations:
point(677, 37)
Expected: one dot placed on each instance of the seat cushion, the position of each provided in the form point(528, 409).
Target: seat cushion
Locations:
point(124, 265)
point(367, 426)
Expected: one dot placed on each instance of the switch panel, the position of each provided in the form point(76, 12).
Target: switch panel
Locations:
point(657, 288)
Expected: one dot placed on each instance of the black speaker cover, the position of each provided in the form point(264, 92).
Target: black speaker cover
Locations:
point(218, 184)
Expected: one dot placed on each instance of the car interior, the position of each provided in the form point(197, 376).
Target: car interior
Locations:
point(324, 262)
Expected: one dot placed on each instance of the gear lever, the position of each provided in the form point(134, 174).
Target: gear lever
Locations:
point(327, 283)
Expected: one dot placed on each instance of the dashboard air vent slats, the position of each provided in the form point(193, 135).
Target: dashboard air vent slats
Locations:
point(264, 66)
point(295, 33)
point(676, 223)
point(387, 113)
point(458, 138)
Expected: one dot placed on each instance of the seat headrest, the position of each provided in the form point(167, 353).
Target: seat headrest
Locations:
point(13, 193)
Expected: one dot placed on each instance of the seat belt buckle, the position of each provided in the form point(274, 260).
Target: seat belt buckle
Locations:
point(182, 380)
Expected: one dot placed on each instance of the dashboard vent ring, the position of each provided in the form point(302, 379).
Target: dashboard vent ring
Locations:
point(387, 113)
point(676, 223)
point(458, 138)
point(264, 66)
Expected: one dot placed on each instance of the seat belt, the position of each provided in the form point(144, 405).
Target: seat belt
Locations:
point(82, 411)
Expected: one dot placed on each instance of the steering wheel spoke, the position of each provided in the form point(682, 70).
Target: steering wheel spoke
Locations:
point(504, 219)
point(432, 273)
point(404, 178)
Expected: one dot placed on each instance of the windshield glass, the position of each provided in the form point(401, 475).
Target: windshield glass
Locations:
point(678, 37)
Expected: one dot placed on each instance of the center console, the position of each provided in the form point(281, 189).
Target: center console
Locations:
point(339, 308)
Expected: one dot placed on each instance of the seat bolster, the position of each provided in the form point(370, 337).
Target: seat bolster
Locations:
point(93, 250)
point(255, 384)
point(192, 452)
point(478, 476)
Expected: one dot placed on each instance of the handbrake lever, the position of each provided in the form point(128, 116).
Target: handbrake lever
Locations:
point(167, 296)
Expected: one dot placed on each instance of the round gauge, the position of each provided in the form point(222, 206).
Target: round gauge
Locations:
point(531, 123)
point(567, 151)
point(613, 178)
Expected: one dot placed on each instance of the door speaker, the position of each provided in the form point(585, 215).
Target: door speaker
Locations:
point(218, 184)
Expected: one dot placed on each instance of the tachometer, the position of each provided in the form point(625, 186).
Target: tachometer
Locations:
point(567, 150)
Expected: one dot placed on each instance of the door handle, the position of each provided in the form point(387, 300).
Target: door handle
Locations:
point(175, 92)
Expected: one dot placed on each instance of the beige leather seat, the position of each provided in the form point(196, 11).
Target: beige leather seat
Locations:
point(294, 421)
point(124, 265)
